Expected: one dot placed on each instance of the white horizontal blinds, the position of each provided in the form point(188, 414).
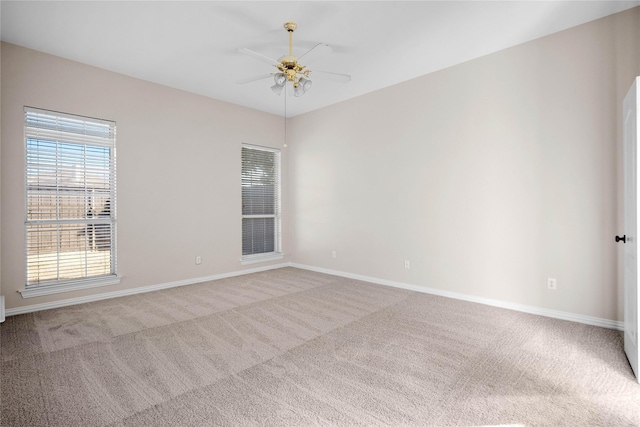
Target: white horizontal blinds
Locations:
point(260, 200)
point(70, 198)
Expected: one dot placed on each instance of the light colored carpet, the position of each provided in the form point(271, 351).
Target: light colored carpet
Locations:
point(291, 347)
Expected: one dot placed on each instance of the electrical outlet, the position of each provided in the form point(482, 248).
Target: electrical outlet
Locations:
point(407, 264)
point(552, 283)
point(198, 260)
point(333, 254)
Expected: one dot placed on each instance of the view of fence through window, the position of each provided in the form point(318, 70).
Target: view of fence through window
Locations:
point(70, 188)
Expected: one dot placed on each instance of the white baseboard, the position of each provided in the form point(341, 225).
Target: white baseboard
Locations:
point(563, 315)
point(588, 320)
point(140, 290)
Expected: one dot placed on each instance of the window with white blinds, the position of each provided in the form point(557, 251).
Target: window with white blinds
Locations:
point(70, 224)
point(260, 202)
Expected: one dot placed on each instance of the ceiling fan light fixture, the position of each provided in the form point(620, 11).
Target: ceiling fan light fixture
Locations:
point(301, 86)
point(277, 89)
point(306, 83)
point(280, 79)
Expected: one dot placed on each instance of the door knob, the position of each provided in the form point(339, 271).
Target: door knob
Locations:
point(623, 238)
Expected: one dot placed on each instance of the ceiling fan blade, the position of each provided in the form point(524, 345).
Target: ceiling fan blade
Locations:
point(259, 56)
point(254, 78)
point(335, 77)
point(314, 53)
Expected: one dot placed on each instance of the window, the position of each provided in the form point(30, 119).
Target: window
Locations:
point(260, 203)
point(70, 224)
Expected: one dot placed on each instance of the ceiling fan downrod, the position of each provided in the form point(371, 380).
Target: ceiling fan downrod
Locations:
point(290, 27)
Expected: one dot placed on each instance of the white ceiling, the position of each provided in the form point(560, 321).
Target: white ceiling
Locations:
point(193, 45)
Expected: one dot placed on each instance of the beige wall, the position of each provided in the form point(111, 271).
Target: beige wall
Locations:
point(488, 177)
point(178, 169)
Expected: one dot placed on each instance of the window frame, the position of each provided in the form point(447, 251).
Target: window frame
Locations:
point(276, 254)
point(51, 125)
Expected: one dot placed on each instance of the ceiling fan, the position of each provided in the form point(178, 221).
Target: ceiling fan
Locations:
point(290, 70)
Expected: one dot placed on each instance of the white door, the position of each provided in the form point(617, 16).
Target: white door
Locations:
point(630, 112)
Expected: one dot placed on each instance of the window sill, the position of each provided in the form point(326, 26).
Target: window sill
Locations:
point(69, 286)
point(254, 259)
